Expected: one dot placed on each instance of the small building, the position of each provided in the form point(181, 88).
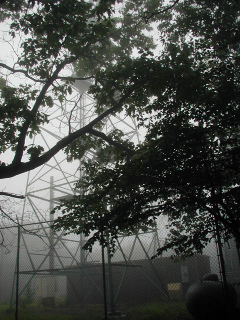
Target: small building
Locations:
point(232, 262)
point(138, 281)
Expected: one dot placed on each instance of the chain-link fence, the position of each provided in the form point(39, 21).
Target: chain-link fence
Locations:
point(44, 275)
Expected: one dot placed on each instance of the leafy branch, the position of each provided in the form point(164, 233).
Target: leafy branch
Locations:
point(18, 167)
point(3, 65)
point(24, 130)
point(149, 15)
point(25, 72)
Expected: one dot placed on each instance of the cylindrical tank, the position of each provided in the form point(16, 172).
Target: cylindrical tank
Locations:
point(207, 300)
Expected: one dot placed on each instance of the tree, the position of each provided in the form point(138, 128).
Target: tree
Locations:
point(92, 36)
point(188, 165)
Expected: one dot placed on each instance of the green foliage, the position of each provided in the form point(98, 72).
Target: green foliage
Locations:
point(34, 152)
point(2, 83)
point(92, 36)
point(187, 97)
point(14, 110)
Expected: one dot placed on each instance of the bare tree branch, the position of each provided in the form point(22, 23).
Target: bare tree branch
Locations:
point(71, 112)
point(1, 243)
point(108, 139)
point(75, 78)
point(8, 216)
point(149, 15)
point(16, 222)
point(3, 65)
point(12, 195)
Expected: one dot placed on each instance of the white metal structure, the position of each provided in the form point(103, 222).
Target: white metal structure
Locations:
point(50, 254)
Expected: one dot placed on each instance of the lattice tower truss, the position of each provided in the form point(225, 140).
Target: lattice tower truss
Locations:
point(44, 252)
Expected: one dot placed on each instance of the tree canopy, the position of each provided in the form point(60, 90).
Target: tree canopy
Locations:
point(92, 36)
point(187, 98)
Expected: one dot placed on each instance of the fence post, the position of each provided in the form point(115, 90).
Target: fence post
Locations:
point(222, 262)
point(17, 271)
point(104, 280)
point(110, 280)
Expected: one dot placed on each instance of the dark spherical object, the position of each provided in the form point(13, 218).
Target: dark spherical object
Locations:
point(207, 301)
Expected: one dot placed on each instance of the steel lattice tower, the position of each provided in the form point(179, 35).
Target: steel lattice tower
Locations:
point(54, 254)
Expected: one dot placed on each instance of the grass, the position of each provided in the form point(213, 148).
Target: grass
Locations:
point(150, 311)
point(35, 312)
point(160, 311)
